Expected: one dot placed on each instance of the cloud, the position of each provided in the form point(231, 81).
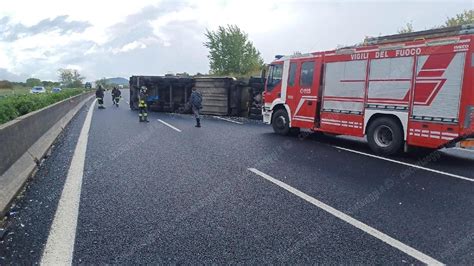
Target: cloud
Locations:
point(130, 46)
point(10, 31)
point(6, 75)
point(154, 37)
point(138, 26)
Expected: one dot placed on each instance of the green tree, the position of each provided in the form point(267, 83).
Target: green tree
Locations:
point(406, 29)
point(230, 52)
point(31, 82)
point(77, 79)
point(65, 77)
point(466, 17)
point(70, 77)
point(48, 83)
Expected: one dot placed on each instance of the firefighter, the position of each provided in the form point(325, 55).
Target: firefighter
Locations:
point(196, 105)
point(112, 94)
point(142, 107)
point(116, 95)
point(99, 94)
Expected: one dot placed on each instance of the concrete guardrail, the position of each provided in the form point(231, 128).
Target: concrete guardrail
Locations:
point(25, 141)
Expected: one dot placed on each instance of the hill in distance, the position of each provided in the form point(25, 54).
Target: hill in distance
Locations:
point(118, 81)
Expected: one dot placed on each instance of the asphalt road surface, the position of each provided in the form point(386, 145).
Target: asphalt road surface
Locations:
point(235, 192)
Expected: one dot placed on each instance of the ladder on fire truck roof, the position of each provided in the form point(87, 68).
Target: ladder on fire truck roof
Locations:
point(421, 35)
point(403, 37)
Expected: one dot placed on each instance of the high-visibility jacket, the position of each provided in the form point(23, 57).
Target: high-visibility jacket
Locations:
point(141, 99)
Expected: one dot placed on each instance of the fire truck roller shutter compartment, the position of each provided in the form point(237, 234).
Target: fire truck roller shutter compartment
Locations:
point(438, 87)
point(345, 86)
point(390, 83)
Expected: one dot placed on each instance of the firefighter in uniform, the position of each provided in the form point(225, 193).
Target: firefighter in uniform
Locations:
point(142, 107)
point(116, 95)
point(99, 94)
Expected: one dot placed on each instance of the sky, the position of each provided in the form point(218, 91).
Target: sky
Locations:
point(103, 38)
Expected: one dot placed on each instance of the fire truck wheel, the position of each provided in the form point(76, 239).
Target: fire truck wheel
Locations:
point(280, 122)
point(385, 136)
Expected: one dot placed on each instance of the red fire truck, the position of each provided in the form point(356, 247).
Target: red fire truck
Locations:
point(413, 89)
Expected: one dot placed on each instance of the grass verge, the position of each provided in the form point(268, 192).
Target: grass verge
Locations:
point(13, 106)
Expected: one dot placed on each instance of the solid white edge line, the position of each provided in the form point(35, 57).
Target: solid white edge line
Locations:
point(170, 126)
point(228, 120)
point(463, 149)
point(60, 244)
point(356, 223)
point(406, 164)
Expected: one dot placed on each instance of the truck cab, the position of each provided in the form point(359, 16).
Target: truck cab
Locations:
point(292, 92)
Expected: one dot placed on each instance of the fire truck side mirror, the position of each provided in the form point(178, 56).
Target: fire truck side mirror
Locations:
point(263, 73)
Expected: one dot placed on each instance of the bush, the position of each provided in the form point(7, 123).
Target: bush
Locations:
point(14, 106)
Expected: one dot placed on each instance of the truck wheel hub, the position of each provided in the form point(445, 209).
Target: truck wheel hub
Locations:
point(281, 122)
point(383, 136)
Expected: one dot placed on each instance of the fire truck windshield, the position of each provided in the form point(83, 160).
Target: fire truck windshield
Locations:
point(274, 76)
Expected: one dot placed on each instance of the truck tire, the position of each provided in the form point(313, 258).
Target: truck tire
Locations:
point(385, 136)
point(281, 122)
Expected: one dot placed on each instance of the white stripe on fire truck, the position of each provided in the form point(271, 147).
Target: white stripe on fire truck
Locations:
point(340, 125)
point(303, 119)
point(334, 120)
point(331, 120)
point(447, 134)
point(302, 100)
point(431, 136)
point(343, 122)
point(330, 123)
point(447, 138)
point(450, 134)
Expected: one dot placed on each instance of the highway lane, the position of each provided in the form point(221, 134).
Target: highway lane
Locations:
point(153, 194)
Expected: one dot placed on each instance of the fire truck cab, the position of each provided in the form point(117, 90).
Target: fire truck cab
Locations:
point(413, 89)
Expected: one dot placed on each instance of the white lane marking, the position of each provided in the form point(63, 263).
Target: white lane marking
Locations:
point(406, 164)
point(463, 149)
point(166, 124)
point(228, 120)
point(60, 245)
point(356, 223)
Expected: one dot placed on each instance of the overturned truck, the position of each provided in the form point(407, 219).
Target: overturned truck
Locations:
point(225, 96)
point(165, 94)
